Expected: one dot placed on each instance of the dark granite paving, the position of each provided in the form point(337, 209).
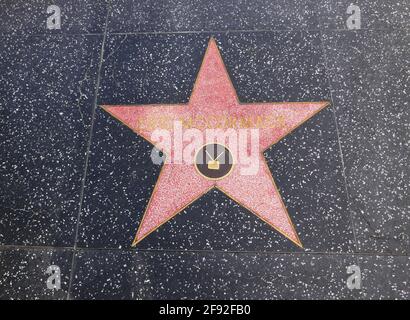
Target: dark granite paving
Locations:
point(47, 93)
point(371, 98)
point(75, 181)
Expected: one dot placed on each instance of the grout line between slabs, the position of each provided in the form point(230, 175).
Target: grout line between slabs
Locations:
point(75, 248)
point(97, 86)
point(333, 108)
point(339, 143)
point(199, 251)
point(250, 31)
point(202, 32)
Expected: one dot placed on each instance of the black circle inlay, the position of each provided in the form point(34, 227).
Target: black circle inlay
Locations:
point(214, 161)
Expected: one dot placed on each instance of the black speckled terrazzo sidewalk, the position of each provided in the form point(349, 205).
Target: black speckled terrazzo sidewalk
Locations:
point(75, 181)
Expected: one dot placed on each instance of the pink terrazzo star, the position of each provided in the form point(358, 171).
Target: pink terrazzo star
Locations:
point(179, 184)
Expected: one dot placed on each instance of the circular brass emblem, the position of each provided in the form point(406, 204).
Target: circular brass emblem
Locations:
point(214, 161)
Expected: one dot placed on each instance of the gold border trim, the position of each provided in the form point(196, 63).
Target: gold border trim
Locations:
point(212, 40)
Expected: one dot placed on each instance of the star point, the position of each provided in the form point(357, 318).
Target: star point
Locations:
point(180, 184)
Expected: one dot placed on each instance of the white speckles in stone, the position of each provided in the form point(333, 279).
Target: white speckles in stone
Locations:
point(163, 275)
point(44, 140)
point(23, 273)
point(47, 87)
point(374, 14)
point(186, 15)
point(29, 16)
point(371, 103)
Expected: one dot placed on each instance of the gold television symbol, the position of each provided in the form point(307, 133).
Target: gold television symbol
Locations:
point(213, 165)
